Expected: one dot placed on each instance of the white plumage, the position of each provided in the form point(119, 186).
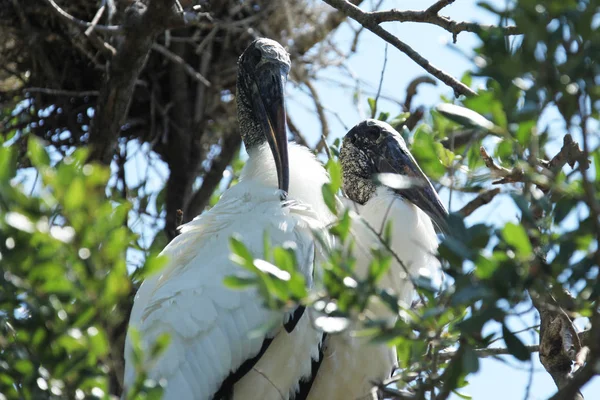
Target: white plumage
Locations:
point(351, 364)
point(209, 324)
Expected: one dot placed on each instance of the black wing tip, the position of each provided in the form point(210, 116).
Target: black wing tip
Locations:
point(295, 318)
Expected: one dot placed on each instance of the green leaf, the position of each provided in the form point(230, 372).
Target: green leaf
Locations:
point(516, 236)
point(329, 198)
point(383, 116)
point(372, 106)
point(240, 253)
point(160, 345)
point(335, 173)
point(514, 345)
point(153, 265)
point(425, 151)
point(238, 282)
point(470, 360)
point(37, 153)
point(523, 133)
point(462, 395)
point(98, 341)
point(341, 228)
point(464, 116)
point(75, 195)
point(284, 259)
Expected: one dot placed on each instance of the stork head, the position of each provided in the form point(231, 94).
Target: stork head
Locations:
point(262, 73)
point(374, 147)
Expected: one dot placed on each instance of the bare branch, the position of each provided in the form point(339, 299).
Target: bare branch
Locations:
point(60, 92)
point(385, 58)
point(411, 90)
point(143, 23)
point(488, 352)
point(437, 6)
point(321, 113)
point(95, 20)
point(371, 24)
point(506, 175)
point(306, 41)
point(298, 137)
point(570, 153)
point(178, 60)
point(229, 146)
point(446, 23)
point(481, 200)
point(112, 29)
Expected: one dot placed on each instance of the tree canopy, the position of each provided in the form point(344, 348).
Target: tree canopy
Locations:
point(86, 86)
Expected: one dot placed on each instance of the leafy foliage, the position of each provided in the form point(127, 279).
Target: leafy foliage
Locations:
point(65, 286)
point(65, 291)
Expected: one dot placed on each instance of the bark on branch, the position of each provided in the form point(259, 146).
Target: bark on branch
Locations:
point(141, 25)
point(560, 344)
point(366, 19)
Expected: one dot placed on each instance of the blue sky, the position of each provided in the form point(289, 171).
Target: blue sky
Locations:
point(496, 380)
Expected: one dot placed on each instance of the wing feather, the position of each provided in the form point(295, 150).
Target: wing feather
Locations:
point(207, 322)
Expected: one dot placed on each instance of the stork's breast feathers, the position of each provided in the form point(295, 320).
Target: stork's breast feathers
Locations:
point(208, 323)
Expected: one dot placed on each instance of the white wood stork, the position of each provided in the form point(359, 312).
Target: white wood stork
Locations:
point(350, 364)
point(209, 325)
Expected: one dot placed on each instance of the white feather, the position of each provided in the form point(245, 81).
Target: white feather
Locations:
point(351, 364)
point(209, 324)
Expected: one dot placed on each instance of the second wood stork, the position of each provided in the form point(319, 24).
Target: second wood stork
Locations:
point(350, 364)
point(212, 353)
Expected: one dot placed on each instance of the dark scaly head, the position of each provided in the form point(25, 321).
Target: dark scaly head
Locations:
point(262, 74)
point(373, 147)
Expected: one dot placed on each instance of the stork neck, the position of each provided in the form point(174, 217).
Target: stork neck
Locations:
point(358, 188)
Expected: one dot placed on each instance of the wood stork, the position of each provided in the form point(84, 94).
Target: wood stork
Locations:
point(211, 347)
point(350, 364)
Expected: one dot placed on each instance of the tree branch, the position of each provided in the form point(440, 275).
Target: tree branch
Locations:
point(446, 23)
point(488, 352)
point(197, 76)
point(306, 41)
point(230, 145)
point(481, 200)
point(366, 20)
point(65, 16)
point(142, 24)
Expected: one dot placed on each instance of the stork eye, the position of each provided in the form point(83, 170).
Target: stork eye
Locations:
point(372, 133)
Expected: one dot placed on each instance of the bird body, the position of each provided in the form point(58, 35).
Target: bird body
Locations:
point(208, 323)
point(226, 343)
point(351, 364)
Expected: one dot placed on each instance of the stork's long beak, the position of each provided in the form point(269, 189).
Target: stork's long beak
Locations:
point(394, 157)
point(267, 93)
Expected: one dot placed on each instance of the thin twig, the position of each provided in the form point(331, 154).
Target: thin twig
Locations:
point(489, 352)
point(298, 137)
point(60, 92)
point(111, 29)
point(506, 175)
point(371, 24)
point(385, 57)
point(320, 113)
point(481, 200)
point(446, 23)
point(437, 6)
point(178, 60)
point(95, 20)
point(411, 89)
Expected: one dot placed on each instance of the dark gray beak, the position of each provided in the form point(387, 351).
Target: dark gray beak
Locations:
point(267, 96)
point(392, 156)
